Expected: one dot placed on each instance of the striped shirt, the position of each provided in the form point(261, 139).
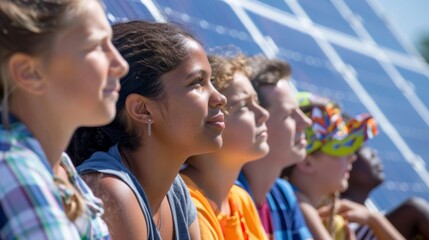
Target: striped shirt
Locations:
point(362, 232)
point(30, 203)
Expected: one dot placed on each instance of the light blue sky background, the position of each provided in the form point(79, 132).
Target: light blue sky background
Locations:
point(411, 17)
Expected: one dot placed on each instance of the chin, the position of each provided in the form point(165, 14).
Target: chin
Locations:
point(209, 146)
point(298, 156)
point(97, 121)
point(344, 187)
point(218, 142)
point(108, 117)
point(265, 149)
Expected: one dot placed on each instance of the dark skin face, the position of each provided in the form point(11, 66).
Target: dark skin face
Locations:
point(410, 218)
point(367, 169)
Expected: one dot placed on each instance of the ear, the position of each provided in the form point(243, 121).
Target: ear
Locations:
point(306, 165)
point(138, 109)
point(23, 70)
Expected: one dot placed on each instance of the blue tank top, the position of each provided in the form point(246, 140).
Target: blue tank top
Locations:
point(183, 210)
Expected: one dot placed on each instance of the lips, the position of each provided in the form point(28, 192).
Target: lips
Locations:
point(114, 87)
point(300, 139)
point(217, 121)
point(263, 132)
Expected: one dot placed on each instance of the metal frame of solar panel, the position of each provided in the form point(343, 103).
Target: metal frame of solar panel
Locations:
point(344, 49)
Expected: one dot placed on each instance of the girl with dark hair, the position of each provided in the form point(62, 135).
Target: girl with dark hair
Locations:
point(226, 211)
point(168, 110)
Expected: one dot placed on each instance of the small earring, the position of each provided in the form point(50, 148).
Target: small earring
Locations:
point(149, 128)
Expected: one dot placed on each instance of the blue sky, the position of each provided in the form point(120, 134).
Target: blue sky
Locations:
point(408, 16)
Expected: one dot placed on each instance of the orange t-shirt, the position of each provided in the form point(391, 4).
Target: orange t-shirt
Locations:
point(242, 224)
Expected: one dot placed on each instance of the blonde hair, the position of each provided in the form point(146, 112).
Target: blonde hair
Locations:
point(30, 27)
point(74, 204)
point(330, 223)
point(224, 67)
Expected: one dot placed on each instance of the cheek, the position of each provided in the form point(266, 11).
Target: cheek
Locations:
point(238, 131)
point(184, 116)
point(95, 71)
point(288, 127)
point(195, 103)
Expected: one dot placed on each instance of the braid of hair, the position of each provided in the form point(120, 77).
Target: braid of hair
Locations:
point(331, 223)
point(72, 201)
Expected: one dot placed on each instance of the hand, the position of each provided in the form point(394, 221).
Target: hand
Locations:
point(350, 211)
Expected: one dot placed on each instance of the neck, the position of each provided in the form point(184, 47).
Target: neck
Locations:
point(358, 195)
point(205, 171)
point(260, 184)
point(308, 188)
point(52, 131)
point(155, 166)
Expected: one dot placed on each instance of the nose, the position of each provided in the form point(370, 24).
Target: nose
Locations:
point(351, 158)
point(118, 66)
point(217, 100)
point(261, 114)
point(302, 121)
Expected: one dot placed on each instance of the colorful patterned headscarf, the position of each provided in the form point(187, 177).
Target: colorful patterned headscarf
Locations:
point(329, 133)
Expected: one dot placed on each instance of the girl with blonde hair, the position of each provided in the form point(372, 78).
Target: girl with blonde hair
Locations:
point(59, 71)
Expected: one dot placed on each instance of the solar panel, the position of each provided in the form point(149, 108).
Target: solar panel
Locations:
point(375, 25)
point(342, 49)
point(318, 12)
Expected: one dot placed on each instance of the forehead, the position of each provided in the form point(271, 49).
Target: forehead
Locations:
point(87, 21)
point(367, 153)
point(197, 56)
point(196, 62)
point(240, 87)
point(279, 95)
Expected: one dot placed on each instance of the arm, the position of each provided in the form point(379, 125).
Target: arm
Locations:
point(123, 213)
point(355, 212)
point(194, 230)
point(411, 218)
point(314, 222)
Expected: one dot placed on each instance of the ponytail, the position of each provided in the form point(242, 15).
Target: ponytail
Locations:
point(86, 141)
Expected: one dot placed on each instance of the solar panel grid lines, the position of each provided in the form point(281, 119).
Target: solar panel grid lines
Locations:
point(398, 80)
point(333, 36)
point(153, 9)
point(260, 39)
point(376, 6)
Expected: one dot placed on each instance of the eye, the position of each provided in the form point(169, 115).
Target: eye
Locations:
point(291, 114)
point(243, 104)
point(97, 46)
point(197, 82)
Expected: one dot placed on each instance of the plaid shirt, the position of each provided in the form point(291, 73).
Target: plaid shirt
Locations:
point(287, 217)
point(90, 224)
point(30, 203)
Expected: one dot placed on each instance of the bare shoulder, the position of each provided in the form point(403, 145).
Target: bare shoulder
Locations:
point(123, 213)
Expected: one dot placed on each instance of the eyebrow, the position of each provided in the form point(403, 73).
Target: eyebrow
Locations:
point(197, 73)
point(244, 95)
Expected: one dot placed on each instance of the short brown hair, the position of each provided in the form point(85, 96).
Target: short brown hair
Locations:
point(267, 72)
